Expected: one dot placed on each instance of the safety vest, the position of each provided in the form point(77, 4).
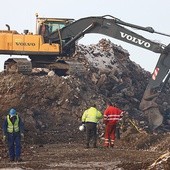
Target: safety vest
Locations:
point(13, 127)
point(91, 115)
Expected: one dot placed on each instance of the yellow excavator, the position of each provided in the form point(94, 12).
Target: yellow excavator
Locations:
point(56, 38)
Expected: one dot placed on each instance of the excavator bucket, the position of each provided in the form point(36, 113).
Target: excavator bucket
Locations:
point(149, 106)
point(155, 118)
point(157, 82)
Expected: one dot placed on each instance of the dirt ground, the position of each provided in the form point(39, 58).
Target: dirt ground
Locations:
point(75, 156)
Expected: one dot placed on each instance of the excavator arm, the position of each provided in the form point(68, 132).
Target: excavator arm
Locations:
point(157, 82)
point(112, 27)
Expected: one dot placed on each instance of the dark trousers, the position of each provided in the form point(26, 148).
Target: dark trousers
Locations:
point(14, 145)
point(91, 133)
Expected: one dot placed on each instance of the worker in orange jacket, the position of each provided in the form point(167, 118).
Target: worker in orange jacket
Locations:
point(112, 115)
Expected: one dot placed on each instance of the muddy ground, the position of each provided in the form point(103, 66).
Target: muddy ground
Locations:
point(135, 150)
point(75, 156)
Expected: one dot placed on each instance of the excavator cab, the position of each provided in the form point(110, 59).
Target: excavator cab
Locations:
point(46, 26)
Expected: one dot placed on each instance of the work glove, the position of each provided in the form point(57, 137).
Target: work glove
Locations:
point(22, 135)
point(4, 138)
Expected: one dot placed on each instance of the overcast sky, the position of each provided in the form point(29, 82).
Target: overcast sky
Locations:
point(20, 15)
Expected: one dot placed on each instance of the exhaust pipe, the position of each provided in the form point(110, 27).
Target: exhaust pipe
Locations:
point(8, 27)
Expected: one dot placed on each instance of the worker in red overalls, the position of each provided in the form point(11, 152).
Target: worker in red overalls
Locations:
point(112, 115)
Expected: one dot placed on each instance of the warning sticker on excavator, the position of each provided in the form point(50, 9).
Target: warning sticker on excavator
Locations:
point(155, 73)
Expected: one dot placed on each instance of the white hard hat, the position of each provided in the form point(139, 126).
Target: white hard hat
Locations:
point(81, 128)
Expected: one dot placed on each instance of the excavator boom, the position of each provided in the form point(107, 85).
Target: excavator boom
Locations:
point(109, 27)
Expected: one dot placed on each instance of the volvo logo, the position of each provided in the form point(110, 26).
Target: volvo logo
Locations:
point(135, 40)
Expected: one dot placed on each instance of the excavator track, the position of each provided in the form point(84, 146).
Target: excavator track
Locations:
point(61, 67)
point(18, 65)
point(75, 67)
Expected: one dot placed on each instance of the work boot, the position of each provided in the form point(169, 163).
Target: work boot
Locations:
point(94, 145)
point(112, 145)
point(87, 146)
point(106, 145)
point(18, 159)
point(11, 159)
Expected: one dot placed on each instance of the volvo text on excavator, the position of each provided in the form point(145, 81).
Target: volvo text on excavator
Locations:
point(56, 38)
